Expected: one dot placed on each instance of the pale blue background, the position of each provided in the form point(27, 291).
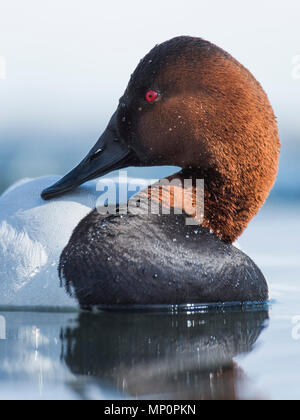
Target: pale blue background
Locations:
point(68, 62)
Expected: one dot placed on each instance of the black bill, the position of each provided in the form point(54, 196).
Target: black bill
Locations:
point(109, 153)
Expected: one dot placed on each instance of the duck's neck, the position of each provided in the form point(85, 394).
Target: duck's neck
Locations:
point(227, 211)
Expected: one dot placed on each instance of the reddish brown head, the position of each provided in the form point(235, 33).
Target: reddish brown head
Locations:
point(191, 104)
point(213, 119)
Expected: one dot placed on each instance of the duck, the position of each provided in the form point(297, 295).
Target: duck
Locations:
point(188, 104)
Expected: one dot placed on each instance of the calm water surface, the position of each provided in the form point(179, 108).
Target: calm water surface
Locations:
point(237, 353)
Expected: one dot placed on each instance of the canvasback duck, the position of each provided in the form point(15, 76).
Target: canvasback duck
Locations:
point(188, 104)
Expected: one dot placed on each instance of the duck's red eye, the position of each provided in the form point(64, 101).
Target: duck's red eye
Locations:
point(151, 95)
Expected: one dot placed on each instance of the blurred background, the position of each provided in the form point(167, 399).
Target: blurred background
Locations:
point(64, 64)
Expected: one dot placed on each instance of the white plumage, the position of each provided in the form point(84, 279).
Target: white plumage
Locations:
point(33, 234)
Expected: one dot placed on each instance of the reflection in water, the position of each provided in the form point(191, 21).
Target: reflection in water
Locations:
point(164, 356)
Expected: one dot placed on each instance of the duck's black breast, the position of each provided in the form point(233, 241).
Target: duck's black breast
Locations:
point(152, 259)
